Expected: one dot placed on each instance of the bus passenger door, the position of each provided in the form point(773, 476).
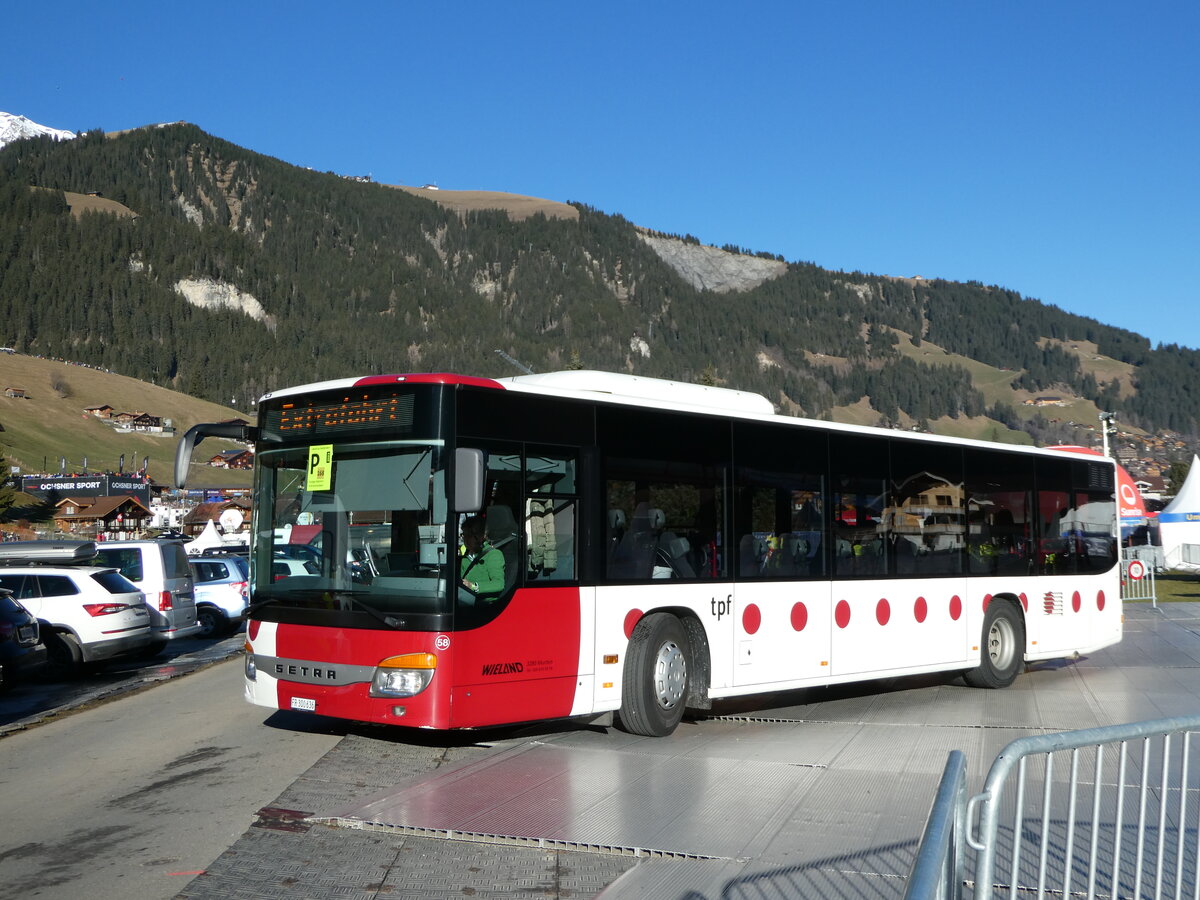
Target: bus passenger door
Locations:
point(523, 660)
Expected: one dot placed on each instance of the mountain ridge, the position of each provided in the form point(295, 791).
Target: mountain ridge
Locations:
point(354, 277)
point(16, 128)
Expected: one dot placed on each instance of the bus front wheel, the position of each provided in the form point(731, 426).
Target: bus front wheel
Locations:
point(655, 688)
point(1002, 653)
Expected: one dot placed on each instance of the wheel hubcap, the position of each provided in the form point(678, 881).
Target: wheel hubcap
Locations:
point(1001, 644)
point(670, 675)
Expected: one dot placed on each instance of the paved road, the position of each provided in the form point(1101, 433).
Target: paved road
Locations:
point(133, 798)
point(817, 793)
point(45, 696)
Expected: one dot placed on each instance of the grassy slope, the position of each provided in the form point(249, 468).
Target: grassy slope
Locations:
point(47, 426)
point(518, 206)
point(1176, 587)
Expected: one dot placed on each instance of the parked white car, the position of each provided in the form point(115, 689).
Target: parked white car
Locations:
point(222, 592)
point(285, 567)
point(86, 613)
point(160, 569)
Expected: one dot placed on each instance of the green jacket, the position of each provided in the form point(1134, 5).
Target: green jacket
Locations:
point(485, 571)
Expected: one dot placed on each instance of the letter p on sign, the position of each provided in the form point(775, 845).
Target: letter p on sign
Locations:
point(320, 468)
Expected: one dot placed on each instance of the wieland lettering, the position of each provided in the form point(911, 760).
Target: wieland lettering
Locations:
point(508, 668)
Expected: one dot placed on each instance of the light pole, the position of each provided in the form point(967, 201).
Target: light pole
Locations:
point(1108, 425)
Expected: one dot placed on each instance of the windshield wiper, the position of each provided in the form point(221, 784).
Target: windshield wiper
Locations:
point(341, 596)
point(389, 621)
point(254, 607)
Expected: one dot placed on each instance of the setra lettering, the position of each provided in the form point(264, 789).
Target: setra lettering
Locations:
point(313, 672)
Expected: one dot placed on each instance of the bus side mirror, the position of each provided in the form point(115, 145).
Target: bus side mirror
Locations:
point(468, 480)
point(237, 431)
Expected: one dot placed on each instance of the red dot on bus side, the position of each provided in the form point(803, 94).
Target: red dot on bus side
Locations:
point(920, 609)
point(986, 600)
point(631, 619)
point(1024, 602)
point(799, 616)
point(1076, 601)
point(955, 607)
point(751, 618)
point(252, 629)
point(841, 614)
point(883, 612)
point(1100, 601)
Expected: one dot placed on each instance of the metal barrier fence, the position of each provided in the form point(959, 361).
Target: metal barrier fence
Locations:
point(1148, 553)
point(1105, 812)
point(938, 869)
point(1137, 581)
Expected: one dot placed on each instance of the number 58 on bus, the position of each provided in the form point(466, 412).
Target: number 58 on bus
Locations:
point(468, 552)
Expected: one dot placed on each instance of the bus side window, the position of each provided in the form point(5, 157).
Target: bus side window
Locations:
point(550, 530)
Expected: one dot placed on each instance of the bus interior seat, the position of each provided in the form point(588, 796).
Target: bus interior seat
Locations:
point(673, 550)
point(499, 525)
point(750, 554)
point(500, 529)
point(793, 555)
point(633, 555)
point(616, 528)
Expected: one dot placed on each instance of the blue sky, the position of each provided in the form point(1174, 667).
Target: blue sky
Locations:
point(1048, 147)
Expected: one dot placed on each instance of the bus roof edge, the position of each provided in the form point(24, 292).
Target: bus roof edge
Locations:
point(639, 387)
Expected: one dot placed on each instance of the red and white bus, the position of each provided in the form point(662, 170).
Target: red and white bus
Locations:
point(662, 545)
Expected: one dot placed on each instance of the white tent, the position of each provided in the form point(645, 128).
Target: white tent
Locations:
point(204, 540)
point(1179, 524)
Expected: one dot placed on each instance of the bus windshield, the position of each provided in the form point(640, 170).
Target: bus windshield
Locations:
point(355, 526)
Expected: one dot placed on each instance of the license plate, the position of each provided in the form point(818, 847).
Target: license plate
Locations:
point(304, 703)
point(25, 634)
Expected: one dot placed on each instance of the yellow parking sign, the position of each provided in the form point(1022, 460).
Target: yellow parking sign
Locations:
point(320, 467)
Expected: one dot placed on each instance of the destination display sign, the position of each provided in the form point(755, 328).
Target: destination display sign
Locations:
point(303, 417)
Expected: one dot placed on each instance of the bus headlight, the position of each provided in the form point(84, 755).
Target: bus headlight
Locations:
point(403, 676)
point(251, 668)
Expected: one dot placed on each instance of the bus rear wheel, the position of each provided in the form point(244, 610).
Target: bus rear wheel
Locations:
point(1002, 652)
point(657, 668)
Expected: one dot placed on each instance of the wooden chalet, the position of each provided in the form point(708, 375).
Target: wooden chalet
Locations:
point(232, 459)
point(116, 517)
point(203, 513)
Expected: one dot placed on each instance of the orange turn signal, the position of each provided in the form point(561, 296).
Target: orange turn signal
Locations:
point(410, 661)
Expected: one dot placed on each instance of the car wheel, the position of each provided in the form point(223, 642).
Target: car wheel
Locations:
point(63, 653)
point(212, 623)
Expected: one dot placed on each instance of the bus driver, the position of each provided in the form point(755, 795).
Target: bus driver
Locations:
point(482, 566)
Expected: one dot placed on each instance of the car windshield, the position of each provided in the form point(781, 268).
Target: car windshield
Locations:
point(355, 527)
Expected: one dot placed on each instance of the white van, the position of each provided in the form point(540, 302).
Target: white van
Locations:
point(160, 570)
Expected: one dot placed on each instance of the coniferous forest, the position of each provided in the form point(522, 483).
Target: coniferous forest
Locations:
point(358, 278)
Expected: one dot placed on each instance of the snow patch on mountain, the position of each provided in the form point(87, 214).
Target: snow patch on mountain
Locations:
point(16, 128)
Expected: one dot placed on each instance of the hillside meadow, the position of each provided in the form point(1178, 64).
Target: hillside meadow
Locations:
point(50, 423)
